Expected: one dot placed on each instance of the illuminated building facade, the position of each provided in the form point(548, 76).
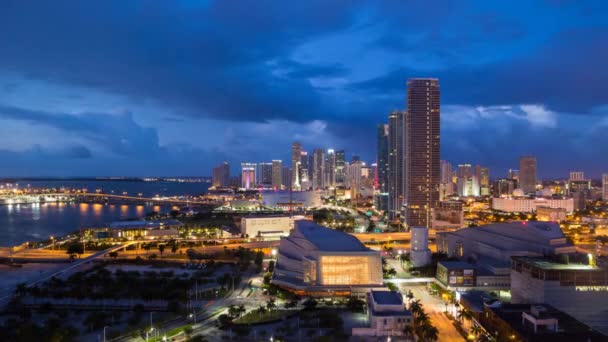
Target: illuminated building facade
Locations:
point(248, 176)
point(605, 186)
point(396, 163)
point(221, 175)
point(422, 144)
point(318, 169)
point(319, 261)
point(277, 174)
point(529, 205)
point(296, 163)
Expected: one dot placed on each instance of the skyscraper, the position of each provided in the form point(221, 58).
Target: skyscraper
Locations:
point(605, 187)
point(330, 168)
point(248, 179)
point(353, 178)
point(318, 167)
point(483, 178)
point(340, 160)
point(304, 171)
point(527, 174)
point(577, 176)
point(264, 175)
point(422, 174)
point(381, 181)
point(446, 187)
point(277, 174)
point(396, 162)
point(296, 155)
point(221, 175)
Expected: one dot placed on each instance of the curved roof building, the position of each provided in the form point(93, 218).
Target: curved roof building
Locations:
point(316, 260)
point(501, 241)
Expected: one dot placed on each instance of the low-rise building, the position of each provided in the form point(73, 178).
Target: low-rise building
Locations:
point(529, 205)
point(462, 276)
point(580, 290)
point(386, 314)
point(550, 214)
point(133, 230)
point(266, 226)
point(448, 215)
point(318, 261)
point(535, 323)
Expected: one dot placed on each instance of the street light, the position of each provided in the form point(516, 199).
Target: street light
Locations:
point(104, 333)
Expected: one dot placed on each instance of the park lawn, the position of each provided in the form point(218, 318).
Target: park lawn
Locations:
point(253, 317)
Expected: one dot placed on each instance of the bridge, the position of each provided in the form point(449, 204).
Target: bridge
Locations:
point(68, 196)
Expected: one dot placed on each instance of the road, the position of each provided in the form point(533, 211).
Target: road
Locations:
point(434, 307)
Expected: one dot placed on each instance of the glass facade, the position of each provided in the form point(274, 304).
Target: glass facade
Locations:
point(350, 270)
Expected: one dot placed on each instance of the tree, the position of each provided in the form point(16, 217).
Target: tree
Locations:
point(428, 333)
point(241, 310)
point(174, 248)
point(410, 295)
point(233, 311)
point(259, 258)
point(464, 314)
point(310, 304)
point(75, 248)
point(408, 331)
point(271, 305)
point(113, 255)
point(261, 310)
point(161, 249)
point(271, 266)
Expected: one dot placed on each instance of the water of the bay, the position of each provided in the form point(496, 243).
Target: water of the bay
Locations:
point(33, 222)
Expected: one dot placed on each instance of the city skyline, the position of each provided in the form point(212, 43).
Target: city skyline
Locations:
point(170, 97)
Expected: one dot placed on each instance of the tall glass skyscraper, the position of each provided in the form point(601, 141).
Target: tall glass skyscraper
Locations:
point(396, 163)
point(422, 146)
point(527, 174)
point(381, 181)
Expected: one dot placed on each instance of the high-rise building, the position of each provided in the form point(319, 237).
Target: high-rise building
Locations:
point(577, 176)
point(264, 175)
point(504, 187)
point(353, 178)
point(527, 174)
point(483, 178)
point(514, 174)
point(446, 187)
point(304, 171)
point(605, 187)
point(286, 177)
point(330, 168)
point(340, 160)
point(381, 180)
point(248, 177)
point(422, 147)
point(396, 162)
point(221, 175)
point(277, 174)
point(296, 155)
point(318, 169)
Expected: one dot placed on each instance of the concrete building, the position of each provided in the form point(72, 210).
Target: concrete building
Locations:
point(527, 174)
point(221, 175)
point(330, 168)
point(318, 169)
point(605, 187)
point(550, 214)
point(501, 241)
point(130, 230)
point(248, 176)
point(420, 255)
point(422, 147)
point(266, 226)
point(305, 180)
point(386, 314)
point(340, 164)
point(353, 178)
point(318, 261)
point(277, 174)
point(504, 187)
point(529, 205)
point(381, 183)
point(577, 176)
point(578, 289)
point(296, 155)
point(448, 215)
point(264, 175)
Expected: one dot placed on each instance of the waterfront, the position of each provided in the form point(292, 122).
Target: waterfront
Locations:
point(33, 222)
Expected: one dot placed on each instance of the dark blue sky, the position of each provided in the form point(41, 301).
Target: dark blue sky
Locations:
point(174, 87)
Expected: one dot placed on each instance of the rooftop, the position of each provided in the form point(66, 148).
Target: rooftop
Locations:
point(387, 297)
point(549, 264)
point(327, 239)
point(456, 265)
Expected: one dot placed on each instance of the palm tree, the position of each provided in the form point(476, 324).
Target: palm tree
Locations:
point(476, 330)
point(410, 295)
point(464, 314)
point(161, 249)
point(261, 310)
point(428, 333)
point(271, 304)
point(408, 331)
point(415, 306)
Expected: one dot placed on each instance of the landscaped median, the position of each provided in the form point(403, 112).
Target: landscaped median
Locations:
point(171, 333)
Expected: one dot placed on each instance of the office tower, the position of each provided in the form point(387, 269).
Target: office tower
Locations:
point(446, 187)
point(340, 160)
point(277, 174)
point(221, 175)
point(296, 155)
point(264, 175)
point(422, 174)
point(248, 178)
point(396, 163)
point(514, 174)
point(286, 177)
point(304, 171)
point(483, 178)
point(420, 254)
point(318, 167)
point(605, 187)
point(527, 174)
point(504, 187)
point(330, 168)
point(577, 176)
point(353, 177)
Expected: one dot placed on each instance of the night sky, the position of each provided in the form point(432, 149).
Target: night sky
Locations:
point(100, 88)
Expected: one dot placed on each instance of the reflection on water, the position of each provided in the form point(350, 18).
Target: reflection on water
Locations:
point(30, 222)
